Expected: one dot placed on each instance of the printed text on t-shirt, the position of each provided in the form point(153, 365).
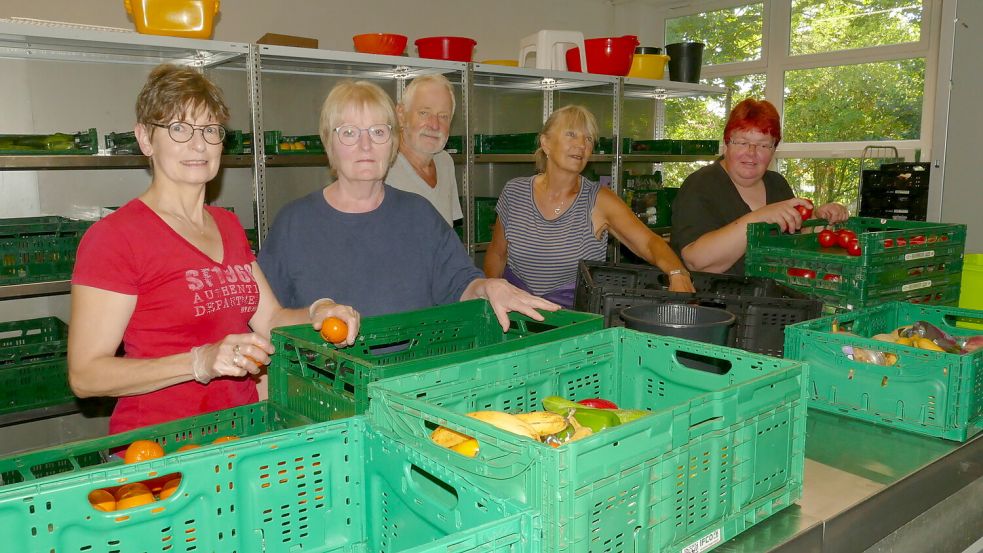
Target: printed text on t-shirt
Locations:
point(217, 288)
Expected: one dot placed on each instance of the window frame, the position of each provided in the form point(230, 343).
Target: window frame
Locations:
point(775, 61)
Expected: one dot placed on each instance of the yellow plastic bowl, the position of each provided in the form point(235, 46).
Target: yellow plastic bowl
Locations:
point(183, 18)
point(510, 63)
point(648, 66)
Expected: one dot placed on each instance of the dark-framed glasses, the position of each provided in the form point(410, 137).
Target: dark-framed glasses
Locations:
point(743, 146)
point(349, 134)
point(181, 132)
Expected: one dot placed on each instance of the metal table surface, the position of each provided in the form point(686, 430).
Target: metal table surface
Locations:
point(862, 482)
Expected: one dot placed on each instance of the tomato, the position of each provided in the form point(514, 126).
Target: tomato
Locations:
point(827, 238)
point(803, 273)
point(843, 237)
point(832, 277)
point(853, 248)
point(598, 403)
point(901, 242)
point(805, 210)
point(917, 240)
point(888, 243)
point(334, 330)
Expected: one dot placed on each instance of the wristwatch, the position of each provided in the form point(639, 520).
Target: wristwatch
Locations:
point(675, 272)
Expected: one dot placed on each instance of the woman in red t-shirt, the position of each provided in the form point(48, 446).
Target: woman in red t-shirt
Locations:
point(174, 279)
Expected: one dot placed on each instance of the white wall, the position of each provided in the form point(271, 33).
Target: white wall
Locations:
point(497, 25)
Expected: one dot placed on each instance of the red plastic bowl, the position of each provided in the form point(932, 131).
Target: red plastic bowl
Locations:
point(451, 48)
point(380, 43)
point(606, 56)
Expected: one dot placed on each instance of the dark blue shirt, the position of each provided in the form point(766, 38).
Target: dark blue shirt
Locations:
point(399, 257)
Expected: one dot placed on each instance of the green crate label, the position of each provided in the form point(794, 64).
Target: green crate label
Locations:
point(704, 543)
point(916, 285)
point(919, 255)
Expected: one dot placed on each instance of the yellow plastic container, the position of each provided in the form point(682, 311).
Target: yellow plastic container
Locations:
point(182, 18)
point(971, 288)
point(509, 63)
point(648, 66)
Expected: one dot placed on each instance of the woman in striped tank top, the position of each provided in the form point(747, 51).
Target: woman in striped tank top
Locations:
point(548, 222)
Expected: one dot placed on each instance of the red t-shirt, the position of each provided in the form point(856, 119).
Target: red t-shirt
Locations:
point(184, 299)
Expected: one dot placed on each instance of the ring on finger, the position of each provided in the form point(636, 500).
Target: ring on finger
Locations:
point(235, 349)
point(237, 360)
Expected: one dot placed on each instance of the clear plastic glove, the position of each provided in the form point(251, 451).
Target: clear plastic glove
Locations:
point(781, 213)
point(832, 212)
point(504, 297)
point(346, 313)
point(235, 355)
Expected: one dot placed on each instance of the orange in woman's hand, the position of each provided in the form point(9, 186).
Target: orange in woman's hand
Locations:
point(334, 330)
point(142, 450)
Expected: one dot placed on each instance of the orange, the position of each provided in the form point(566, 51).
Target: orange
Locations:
point(169, 488)
point(135, 499)
point(133, 488)
point(187, 447)
point(224, 439)
point(334, 330)
point(142, 450)
point(102, 500)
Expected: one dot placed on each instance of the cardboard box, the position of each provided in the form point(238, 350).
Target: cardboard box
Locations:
point(288, 40)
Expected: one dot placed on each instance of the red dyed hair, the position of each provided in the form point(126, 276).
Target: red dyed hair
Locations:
point(754, 115)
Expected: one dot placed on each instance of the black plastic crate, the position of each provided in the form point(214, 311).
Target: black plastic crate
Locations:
point(762, 306)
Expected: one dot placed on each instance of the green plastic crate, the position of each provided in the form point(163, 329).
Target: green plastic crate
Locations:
point(80, 143)
point(484, 218)
point(900, 260)
point(516, 143)
point(336, 486)
point(605, 145)
point(33, 364)
point(933, 393)
point(652, 207)
point(38, 249)
point(311, 376)
point(455, 144)
point(84, 455)
point(657, 147)
point(299, 145)
point(699, 147)
point(719, 452)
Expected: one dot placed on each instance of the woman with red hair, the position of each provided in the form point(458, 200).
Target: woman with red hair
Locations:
point(716, 203)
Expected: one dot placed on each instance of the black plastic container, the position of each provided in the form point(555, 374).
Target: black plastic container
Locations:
point(648, 50)
point(693, 322)
point(685, 61)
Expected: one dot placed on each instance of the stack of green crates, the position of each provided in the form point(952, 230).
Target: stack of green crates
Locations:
point(900, 260)
point(934, 393)
point(337, 486)
point(314, 378)
point(38, 249)
point(484, 218)
point(717, 454)
point(33, 364)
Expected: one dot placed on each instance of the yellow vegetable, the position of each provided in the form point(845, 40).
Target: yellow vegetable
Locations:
point(925, 343)
point(445, 437)
point(904, 341)
point(468, 448)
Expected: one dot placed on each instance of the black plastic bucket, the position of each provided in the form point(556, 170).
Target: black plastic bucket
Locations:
point(685, 61)
point(693, 322)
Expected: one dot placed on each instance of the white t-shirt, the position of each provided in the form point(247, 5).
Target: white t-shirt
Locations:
point(443, 196)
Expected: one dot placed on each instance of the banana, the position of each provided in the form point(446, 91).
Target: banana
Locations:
point(579, 432)
point(445, 437)
point(507, 422)
point(544, 422)
point(925, 343)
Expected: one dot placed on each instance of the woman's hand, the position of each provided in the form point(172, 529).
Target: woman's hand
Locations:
point(236, 355)
point(681, 282)
point(346, 313)
point(832, 212)
point(505, 297)
point(781, 213)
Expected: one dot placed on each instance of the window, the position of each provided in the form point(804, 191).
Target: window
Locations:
point(825, 25)
point(730, 35)
point(824, 180)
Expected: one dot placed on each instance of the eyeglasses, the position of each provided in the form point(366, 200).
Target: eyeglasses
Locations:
point(743, 146)
point(349, 134)
point(181, 132)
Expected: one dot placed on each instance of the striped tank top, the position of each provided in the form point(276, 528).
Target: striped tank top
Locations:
point(544, 253)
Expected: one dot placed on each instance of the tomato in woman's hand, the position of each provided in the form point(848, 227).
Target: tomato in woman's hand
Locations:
point(805, 210)
point(853, 248)
point(827, 238)
point(844, 236)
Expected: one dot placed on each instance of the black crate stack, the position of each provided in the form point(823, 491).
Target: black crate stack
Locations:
point(896, 191)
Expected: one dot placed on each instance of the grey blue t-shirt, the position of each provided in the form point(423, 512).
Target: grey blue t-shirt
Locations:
point(399, 257)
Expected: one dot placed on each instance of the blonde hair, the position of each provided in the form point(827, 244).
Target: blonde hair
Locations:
point(357, 95)
point(430, 78)
point(567, 117)
point(174, 92)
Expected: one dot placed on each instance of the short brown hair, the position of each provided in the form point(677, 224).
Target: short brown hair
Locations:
point(173, 92)
point(567, 117)
point(358, 95)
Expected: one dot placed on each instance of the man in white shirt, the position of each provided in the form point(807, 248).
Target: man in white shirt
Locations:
point(422, 166)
